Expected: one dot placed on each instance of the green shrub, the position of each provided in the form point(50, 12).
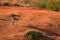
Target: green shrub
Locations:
point(40, 4)
point(51, 5)
point(55, 6)
point(33, 35)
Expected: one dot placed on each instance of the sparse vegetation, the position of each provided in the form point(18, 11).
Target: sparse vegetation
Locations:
point(33, 35)
point(36, 35)
point(39, 4)
point(51, 5)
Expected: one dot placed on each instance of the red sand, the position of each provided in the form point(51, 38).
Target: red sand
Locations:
point(39, 18)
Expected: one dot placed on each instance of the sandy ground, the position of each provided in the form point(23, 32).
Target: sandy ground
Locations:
point(46, 21)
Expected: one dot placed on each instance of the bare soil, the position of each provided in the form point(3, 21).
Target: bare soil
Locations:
point(45, 21)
